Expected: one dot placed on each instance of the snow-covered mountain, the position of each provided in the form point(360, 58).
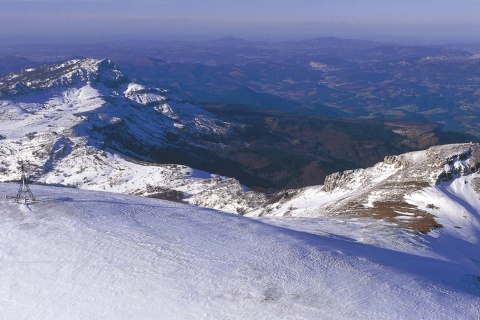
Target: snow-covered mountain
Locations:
point(82, 254)
point(70, 73)
point(420, 190)
point(81, 124)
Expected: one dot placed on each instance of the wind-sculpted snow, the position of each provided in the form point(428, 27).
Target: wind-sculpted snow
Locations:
point(88, 255)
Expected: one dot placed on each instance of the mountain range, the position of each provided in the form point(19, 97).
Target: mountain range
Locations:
point(263, 140)
point(373, 241)
point(83, 124)
point(340, 78)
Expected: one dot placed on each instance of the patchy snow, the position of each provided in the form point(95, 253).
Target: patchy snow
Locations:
point(61, 160)
point(134, 87)
point(167, 110)
point(386, 188)
point(83, 255)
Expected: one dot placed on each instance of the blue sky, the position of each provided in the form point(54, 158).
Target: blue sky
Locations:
point(414, 21)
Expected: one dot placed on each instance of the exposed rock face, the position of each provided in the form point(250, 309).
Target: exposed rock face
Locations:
point(462, 159)
point(474, 161)
point(476, 184)
point(464, 163)
point(339, 180)
point(390, 159)
point(228, 195)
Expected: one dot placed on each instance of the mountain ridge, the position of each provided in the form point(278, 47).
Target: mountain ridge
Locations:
point(396, 239)
point(390, 190)
point(81, 132)
point(151, 124)
point(64, 74)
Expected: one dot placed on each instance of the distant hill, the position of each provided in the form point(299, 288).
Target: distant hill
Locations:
point(249, 98)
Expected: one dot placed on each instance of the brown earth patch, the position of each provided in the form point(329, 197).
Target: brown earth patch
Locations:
point(393, 211)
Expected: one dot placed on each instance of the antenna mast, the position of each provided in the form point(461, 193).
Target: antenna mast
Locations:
point(24, 194)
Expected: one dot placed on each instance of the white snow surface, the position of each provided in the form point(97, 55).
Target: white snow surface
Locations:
point(45, 112)
point(94, 255)
point(456, 207)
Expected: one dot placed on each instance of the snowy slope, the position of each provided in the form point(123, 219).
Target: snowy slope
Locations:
point(390, 190)
point(89, 95)
point(88, 255)
point(81, 122)
point(436, 191)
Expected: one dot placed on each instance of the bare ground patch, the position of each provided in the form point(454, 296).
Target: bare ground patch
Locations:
point(399, 212)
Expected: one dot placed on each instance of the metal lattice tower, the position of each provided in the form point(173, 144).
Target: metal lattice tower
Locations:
point(24, 194)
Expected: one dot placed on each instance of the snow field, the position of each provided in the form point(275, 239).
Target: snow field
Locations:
point(82, 254)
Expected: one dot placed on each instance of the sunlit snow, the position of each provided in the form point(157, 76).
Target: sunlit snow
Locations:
point(83, 255)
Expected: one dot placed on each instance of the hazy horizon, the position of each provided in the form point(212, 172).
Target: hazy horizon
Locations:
point(88, 21)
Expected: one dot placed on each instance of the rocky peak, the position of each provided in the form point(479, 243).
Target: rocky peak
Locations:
point(444, 162)
point(63, 74)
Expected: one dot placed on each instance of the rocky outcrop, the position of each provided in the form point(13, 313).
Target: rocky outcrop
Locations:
point(384, 191)
point(390, 159)
point(461, 164)
point(396, 160)
point(474, 161)
point(339, 180)
point(228, 195)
